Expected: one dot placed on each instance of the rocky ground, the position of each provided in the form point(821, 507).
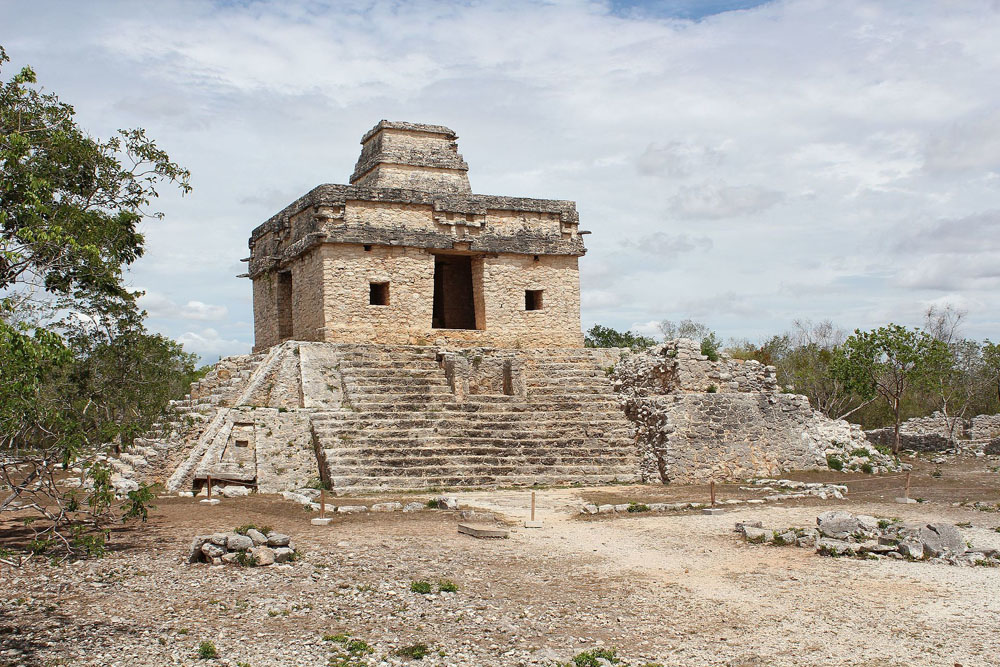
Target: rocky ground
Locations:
point(676, 587)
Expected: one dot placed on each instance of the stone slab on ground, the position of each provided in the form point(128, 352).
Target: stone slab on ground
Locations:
point(480, 531)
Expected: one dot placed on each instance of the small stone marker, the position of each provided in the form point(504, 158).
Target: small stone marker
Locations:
point(481, 531)
point(906, 499)
point(532, 523)
point(713, 509)
point(323, 520)
point(210, 500)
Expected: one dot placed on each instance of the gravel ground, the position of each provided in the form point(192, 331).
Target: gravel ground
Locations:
point(677, 589)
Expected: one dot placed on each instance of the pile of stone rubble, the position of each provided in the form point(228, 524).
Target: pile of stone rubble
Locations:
point(841, 533)
point(249, 547)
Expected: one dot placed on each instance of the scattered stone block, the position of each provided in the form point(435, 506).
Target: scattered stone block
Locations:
point(413, 507)
point(447, 502)
point(239, 543)
point(283, 554)
point(742, 525)
point(480, 531)
point(352, 509)
point(212, 550)
point(906, 501)
point(589, 508)
point(235, 491)
point(321, 522)
point(263, 555)
point(257, 537)
point(278, 540)
point(757, 535)
point(387, 507)
point(941, 539)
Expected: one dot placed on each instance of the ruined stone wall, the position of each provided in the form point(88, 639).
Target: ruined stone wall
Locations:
point(936, 433)
point(725, 420)
point(679, 366)
point(985, 427)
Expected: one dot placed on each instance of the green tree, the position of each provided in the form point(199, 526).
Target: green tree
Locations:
point(888, 362)
point(70, 207)
point(601, 336)
point(991, 365)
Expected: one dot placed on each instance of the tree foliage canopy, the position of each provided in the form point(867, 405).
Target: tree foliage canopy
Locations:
point(80, 372)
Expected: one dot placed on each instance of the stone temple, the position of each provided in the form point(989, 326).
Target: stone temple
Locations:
point(408, 255)
point(412, 334)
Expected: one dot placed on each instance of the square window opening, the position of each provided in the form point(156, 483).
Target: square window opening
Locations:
point(242, 443)
point(378, 294)
point(533, 299)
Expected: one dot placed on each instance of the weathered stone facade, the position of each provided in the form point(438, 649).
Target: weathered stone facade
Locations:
point(407, 255)
point(698, 419)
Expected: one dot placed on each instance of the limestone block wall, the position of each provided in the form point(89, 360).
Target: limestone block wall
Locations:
point(499, 285)
point(308, 314)
point(265, 311)
point(696, 437)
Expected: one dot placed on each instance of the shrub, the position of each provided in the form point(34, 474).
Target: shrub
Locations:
point(207, 650)
point(246, 559)
point(710, 347)
point(638, 507)
point(867, 468)
point(422, 587)
point(413, 652)
point(591, 658)
point(834, 462)
point(861, 452)
point(447, 586)
point(712, 389)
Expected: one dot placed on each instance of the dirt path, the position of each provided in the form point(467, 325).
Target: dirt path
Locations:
point(676, 588)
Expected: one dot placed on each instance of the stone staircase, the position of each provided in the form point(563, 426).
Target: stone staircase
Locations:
point(153, 457)
point(401, 426)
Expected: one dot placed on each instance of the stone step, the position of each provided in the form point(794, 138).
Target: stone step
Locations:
point(447, 459)
point(508, 432)
point(457, 417)
point(509, 405)
point(483, 479)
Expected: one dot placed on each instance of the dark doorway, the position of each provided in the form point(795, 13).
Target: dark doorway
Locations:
point(454, 304)
point(284, 305)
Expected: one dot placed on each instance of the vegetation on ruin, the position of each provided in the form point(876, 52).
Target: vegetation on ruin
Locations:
point(876, 378)
point(81, 374)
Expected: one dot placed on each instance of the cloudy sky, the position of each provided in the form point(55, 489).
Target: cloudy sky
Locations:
point(741, 163)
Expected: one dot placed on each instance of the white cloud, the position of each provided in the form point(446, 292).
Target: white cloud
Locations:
point(159, 306)
point(813, 135)
point(209, 344)
point(712, 201)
